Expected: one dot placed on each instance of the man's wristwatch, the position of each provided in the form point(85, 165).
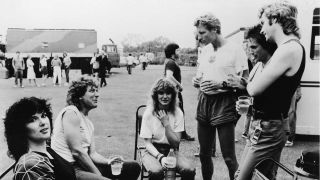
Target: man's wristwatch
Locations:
point(224, 84)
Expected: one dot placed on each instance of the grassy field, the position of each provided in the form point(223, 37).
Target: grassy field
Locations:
point(114, 119)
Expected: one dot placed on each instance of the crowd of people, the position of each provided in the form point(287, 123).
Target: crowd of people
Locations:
point(99, 64)
point(277, 61)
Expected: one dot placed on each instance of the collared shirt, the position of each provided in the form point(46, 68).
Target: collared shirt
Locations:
point(228, 59)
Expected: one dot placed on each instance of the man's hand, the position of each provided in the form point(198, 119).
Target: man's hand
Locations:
point(237, 81)
point(163, 117)
point(209, 86)
point(115, 158)
point(196, 82)
point(164, 163)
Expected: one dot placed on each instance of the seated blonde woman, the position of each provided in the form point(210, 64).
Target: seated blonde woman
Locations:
point(161, 128)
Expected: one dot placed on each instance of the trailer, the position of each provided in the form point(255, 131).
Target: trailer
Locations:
point(78, 43)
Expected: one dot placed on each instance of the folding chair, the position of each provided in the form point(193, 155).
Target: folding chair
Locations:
point(7, 171)
point(139, 114)
point(258, 175)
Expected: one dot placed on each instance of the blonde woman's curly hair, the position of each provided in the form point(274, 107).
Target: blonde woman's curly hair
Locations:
point(285, 14)
point(209, 21)
point(163, 85)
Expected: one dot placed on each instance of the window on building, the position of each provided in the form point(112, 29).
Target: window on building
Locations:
point(315, 35)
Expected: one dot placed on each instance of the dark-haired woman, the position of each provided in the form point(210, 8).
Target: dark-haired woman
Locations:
point(161, 128)
point(28, 126)
point(73, 136)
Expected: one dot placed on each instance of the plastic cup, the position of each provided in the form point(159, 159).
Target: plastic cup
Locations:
point(244, 102)
point(116, 166)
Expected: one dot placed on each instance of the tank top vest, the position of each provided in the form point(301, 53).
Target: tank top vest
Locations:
point(276, 99)
point(58, 140)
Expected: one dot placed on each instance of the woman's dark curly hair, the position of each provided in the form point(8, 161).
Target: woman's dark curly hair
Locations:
point(17, 116)
point(164, 85)
point(78, 88)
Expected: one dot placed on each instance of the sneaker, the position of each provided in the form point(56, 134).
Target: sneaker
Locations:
point(22, 86)
point(236, 140)
point(187, 137)
point(66, 84)
point(15, 86)
point(289, 144)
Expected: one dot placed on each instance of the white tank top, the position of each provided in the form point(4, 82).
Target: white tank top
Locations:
point(58, 140)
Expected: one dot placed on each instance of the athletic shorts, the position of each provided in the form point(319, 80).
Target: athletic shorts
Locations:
point(217, 109)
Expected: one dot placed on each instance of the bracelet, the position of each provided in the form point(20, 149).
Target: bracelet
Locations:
point(162, 156)
point(157, 156)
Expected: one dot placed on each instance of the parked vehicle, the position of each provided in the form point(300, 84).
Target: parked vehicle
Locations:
point(113, 53)
point(78, 43)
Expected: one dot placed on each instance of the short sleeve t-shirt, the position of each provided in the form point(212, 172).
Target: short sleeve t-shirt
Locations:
point(151, 126)
point(172, 66)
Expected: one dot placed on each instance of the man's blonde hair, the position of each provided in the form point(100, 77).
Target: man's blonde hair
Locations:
point(285, 14)
point(209, 21)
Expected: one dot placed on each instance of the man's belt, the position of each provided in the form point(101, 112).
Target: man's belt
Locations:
point(264, 115)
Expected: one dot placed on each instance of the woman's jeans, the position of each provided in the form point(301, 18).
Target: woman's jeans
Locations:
point(206, 135)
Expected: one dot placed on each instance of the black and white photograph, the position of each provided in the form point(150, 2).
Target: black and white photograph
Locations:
point(159, 89)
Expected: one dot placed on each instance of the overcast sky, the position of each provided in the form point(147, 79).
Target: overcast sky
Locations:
point(116, 19)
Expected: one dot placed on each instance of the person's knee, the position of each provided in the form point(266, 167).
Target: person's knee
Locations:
point(136, 168)
point(156, 174)
point(230, 161)
point(188, 173)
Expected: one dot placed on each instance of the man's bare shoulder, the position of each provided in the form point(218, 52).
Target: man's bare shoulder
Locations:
point(291, 48)
point(289, 52)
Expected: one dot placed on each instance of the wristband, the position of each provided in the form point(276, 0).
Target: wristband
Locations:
point(161, 156)
point(157, 156)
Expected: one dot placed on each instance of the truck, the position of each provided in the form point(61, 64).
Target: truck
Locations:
point(112, 53)
point(80, 44)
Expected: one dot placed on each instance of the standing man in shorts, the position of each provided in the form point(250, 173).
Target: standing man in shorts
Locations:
point(216, 105)
point(173, 73)
point(18, 66)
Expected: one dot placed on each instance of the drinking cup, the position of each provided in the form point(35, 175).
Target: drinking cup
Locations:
point(244, 102)
point(116, 166)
